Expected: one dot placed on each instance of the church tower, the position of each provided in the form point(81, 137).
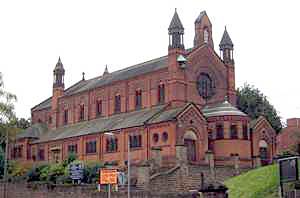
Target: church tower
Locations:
point(226, 54)
point(58, 90)
point(203, 31)
point(176, 62)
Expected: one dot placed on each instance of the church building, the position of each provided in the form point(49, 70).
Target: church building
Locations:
point(186, 97)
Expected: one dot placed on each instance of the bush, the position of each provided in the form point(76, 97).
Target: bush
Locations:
point(44, 172)
point(16, 169)
point(34, 173)
point(91, 172)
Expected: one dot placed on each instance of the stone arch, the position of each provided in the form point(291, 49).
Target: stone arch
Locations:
point(264, 151)
point(263, 144)
point(190, 140)
point(190, 134)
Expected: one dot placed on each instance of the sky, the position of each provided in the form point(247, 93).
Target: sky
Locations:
point(88, 34)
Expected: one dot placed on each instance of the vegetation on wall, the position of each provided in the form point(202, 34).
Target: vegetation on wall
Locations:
point(253, 102)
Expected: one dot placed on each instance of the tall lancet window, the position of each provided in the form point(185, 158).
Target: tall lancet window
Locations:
point(206, 35)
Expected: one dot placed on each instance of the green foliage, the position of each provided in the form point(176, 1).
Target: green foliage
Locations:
point(91, 172)
point(44, 172)
point(34, 173)
point(251, 101)
point(2, 156)
point(6, 103)
point(71, 157)
point(258, 183)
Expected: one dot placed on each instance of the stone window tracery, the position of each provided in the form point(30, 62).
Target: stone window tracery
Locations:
point(205, 86)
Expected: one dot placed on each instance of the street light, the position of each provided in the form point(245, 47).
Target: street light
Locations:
point(128, 162)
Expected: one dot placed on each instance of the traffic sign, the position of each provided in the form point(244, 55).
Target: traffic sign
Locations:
point(108, 176)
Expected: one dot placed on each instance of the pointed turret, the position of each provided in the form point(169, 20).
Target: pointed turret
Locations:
point(58, 74)
point(226, 42)
point(105, 71)
point(226, 48)
point(176, 32)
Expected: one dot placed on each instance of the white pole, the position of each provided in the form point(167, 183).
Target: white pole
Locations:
point(128, 163)
point(108, 190)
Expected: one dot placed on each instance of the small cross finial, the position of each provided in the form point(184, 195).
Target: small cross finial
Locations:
point(83, 76)
point(225, 27)
point(175, 9)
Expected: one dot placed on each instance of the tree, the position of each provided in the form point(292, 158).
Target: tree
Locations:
point(251, 101)
point(6, 115)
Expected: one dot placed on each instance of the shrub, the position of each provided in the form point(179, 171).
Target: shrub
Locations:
point(91, 172)
point(55, 171)
point(44, 172)
point(34, 173)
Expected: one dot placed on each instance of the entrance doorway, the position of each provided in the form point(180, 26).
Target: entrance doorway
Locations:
point(190, 139)
point(263, 152)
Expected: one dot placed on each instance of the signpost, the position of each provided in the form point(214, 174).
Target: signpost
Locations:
point(288, 171)
point(76, 171)
point(108, 176)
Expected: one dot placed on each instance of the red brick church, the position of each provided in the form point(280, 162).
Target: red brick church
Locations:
point(186, 97)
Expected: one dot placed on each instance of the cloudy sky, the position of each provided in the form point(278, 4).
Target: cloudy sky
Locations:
point(92, 33)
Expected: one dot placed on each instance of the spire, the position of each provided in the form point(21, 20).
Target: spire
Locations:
point(105, 71)
point(59, 65)
point(58, 74)
point(226, 42)
point(176, 25)
point(176, 32)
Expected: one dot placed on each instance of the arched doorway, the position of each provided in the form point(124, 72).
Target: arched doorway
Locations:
point(190, 139)
point(263, 152)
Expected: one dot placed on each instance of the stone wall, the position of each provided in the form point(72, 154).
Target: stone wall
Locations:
point(43, 191)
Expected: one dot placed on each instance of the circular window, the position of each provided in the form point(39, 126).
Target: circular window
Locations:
point(155, 137)
point(165, 136)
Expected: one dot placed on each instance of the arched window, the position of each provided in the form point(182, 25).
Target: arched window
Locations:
point(165, 136)
point(81, 113)
point(161, 93)
point(220, 132)
point(66, 116)
point(205, 35)
point(138, 99)
point(155, 137)
point(233, 132)
point(99, 107)
point(117, 103)
point(205, 86)
point(245, 132)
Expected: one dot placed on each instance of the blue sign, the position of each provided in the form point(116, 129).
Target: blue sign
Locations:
point(122, 178)
point(76, 171)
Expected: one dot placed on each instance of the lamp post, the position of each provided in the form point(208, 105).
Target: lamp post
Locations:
point(128, 162)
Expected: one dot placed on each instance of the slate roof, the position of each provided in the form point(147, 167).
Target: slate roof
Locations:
point(175, 25)
point(222, 109)
point(135, 70)
point(33, 131)
point(226, 41)
point(115, 122)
